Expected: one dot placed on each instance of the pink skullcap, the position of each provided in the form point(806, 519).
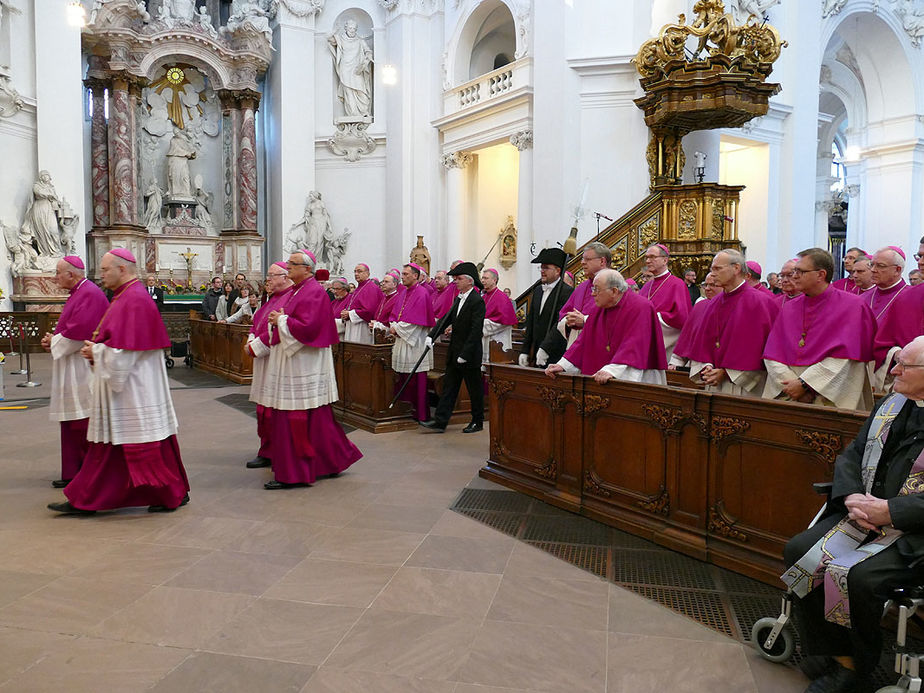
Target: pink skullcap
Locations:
point(74, 261)
point(754, 267)
point(394, 273)
point(663, 247)
point(897, 250)
point(631, 282)
point(568, 273)
point(281, 264)
point(363, 264)
point(309, 254)
point(375, 279)
point(122, 253)
point(494, 272)
point(416, 266)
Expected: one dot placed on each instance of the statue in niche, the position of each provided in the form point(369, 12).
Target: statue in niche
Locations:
point(184, 10)
point(22, 254)
point(153, 201)
point(178, 155)
point(41, 220)
point(203, 206)
point(315, 232)
point(353, 63)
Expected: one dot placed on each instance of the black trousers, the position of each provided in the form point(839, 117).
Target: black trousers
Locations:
point(455, 374)
point(869, 585)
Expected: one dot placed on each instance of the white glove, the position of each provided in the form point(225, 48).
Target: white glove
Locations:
point(428, 342)
point(460, 360)
point(542, 358)
point(524, 360)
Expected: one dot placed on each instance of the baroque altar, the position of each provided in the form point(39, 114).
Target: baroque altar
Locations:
point(173, 99)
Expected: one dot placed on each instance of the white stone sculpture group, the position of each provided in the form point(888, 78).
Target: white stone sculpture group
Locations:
point(315, 233)
point(47, 232)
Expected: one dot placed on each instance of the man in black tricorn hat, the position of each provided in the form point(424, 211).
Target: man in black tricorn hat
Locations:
point(463, 362)
point(543, 343)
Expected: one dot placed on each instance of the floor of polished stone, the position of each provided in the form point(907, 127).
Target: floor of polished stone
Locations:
point(367, 582)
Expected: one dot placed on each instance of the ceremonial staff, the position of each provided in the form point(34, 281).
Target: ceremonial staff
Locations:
point(440, 326)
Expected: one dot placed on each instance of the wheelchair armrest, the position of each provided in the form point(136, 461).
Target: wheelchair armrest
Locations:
point(823, 488)
point(908, 592)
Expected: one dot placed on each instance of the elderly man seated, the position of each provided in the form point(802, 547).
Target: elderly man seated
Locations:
point(621, 339)
point(870, 539)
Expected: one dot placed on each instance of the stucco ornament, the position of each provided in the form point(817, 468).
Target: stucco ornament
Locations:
point(742, 9)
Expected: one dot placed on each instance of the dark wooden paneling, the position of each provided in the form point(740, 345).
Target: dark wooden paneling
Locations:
point(726, 479)
point(219, 348)
point(366, 384)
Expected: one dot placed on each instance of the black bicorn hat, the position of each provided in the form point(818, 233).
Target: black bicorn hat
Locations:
point(551, 256)
point(468, 269)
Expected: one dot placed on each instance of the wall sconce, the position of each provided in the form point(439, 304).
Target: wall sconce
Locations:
point(389, 74)
point(76, 15)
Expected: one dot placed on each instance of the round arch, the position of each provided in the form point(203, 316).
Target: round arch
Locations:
point(204, 61)
point(459, 49)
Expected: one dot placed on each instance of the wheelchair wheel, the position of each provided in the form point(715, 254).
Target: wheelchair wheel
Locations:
point(168, 362)
point(783, 647)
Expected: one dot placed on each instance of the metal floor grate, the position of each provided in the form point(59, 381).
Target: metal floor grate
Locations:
point(717, 598)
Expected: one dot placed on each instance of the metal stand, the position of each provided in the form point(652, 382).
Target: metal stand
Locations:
point(28, 373)
point(22, 336)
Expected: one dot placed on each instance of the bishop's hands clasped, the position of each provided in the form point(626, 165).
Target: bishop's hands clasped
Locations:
point(87, 350)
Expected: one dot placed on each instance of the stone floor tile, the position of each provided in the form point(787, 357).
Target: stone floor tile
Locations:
point(452, 524)
point(201, 531)
point(174, 616)
point(412, 645)
point(230, 571)
point(283, 538)
point(774, 678)
point(648, 663)
point(544, 658)
point(71, 605)
point(20, 648)
point(463, 553)
point(368, 546)
point(16, 584)
point(206, 672)
point(552, 602)
point(37, 551)
point(400, 518)
point(91, 665)
point(456, 593)
point(327, 680)
point(286, 631)
point(333, 582)
point(148, 564)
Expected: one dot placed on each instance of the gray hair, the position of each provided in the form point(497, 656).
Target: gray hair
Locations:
point(613, 280)
point(340, 283)
point(864, 258)
point(601, 250)
point(735, 257)
point(309, 261)
point(897, 259)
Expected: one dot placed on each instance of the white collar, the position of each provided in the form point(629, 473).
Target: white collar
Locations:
point(462, 297)
point(667, 271)
point(548, 287)
point(743, 282)
point(889, 288)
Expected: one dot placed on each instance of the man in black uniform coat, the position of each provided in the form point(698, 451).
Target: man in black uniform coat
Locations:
point(155, 292)
point(466, 317)
point(542, 320)
point(856, 650)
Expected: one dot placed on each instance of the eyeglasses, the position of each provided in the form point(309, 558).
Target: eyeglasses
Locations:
point(903, 365)
point(277, 274)
point(884, 265)
point(799, 272)
point(594, 290)
point(786, 275)
point(917, 256)
point(291, 264)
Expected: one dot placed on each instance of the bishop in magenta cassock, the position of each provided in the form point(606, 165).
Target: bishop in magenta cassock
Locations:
point(822, 342)
point(360, 306)
point(259, 344)
point(887, 267)
point(382, 318)
point(901, 324)
point(789, 290)
point(726, 351)
point(499, 316)
point(847, 283)
point(70, 376)
point(693, 324)
point(411, 320)
point(307, 442)
point(580, 305)
point(621, 339)
point(446, 293)
point(341, 290)
point(667, 293)
point(753, 277)
point(133, 457)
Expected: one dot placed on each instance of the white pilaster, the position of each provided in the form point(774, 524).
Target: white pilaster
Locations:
point(289, 125)
point(59, 108)
point(456, 209)
point(526, 232)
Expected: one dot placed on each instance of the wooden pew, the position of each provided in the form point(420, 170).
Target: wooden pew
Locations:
point(725, 479)
point(219, 348)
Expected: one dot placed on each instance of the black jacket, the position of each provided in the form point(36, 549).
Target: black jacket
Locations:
point(210, 303)
point(541, 329)
point(158, 296)
point(467, 329)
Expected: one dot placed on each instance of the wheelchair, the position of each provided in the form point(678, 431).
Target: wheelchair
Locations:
point(776, 642)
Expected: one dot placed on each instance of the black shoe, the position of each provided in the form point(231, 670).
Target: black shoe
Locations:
point(258, 462)
point(67, 509)
point(276, 485)
point(60, 483)
point(473, 427)
point(816, 666)
point(165, 509)
point(432, 425)
point(839, 680)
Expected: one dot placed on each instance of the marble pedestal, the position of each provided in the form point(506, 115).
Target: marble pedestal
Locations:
point(37, 292)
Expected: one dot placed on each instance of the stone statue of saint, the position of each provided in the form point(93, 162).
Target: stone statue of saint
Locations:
point(183, 10)
point(178, 155)
point(19, 247)
point(153, 201)
point(313, 231)
point(204, 200)
point(41, 220)
point(353, 62)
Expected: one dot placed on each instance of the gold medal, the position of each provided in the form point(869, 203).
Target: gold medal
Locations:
point(802, 342)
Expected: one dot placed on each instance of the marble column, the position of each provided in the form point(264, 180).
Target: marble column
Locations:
point(99, 153)
point(456, 205)
point(247, 165)
point(124, 190)
point(526, 234)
